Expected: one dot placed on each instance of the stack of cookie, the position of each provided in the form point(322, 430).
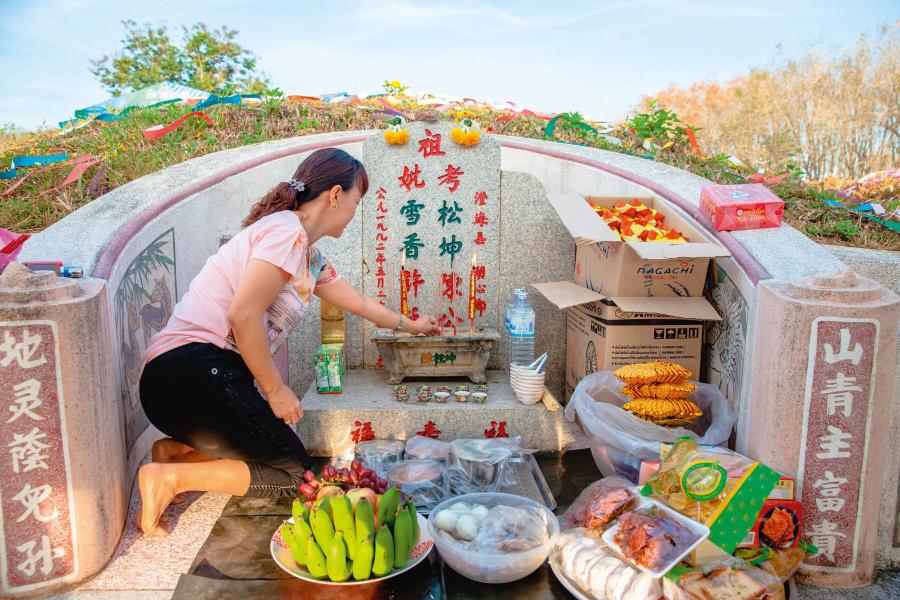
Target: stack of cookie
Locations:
point(659, 393)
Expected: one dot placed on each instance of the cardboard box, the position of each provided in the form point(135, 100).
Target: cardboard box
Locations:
point(604, 334)
point(609, 266)
point(745, 206)
point(330, 368)
point(784, 518)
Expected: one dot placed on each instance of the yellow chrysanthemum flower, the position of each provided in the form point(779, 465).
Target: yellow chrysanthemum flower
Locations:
point(397, 137)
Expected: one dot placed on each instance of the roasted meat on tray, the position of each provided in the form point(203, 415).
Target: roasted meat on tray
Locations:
point(652, 539)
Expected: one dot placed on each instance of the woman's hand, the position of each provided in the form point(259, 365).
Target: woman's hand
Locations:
point(426, 325)
point(285, 404)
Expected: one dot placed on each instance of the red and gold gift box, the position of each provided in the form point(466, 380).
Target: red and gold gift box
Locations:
point(746, 206)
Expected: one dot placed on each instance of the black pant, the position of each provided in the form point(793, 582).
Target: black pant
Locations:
point(205, 397)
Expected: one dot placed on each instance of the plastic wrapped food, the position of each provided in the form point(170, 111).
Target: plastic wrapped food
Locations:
point(652, 539)
point(379, 455)
point(427, 448)
point(714, 486)
point(499, 529)
point(600, 503)
point(425, 481)
point(588, 563)
point(478, 464)
point(779, 563)
point(733, 579)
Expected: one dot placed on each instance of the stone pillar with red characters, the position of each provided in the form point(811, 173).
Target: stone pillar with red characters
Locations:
point(820, 411)
point(62, 468)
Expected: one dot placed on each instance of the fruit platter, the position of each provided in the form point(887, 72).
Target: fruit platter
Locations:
point(350, 528)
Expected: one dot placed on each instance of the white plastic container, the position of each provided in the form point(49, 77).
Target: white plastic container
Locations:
point(494, 567)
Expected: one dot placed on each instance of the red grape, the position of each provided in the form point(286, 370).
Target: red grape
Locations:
point(366, 473)
point(308, 504)
point(307, 490)
point(309, 476)
point(329, 471)
point(354, 476)
point(365, 482)
point(356, 466)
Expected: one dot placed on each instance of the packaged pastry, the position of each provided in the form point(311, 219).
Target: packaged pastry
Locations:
point(600, 503)
point(593, 567)
point(731, 579)
point(780, 563)
point(717, 487)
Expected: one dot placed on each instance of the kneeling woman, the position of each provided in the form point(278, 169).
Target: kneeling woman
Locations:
point(209, 380)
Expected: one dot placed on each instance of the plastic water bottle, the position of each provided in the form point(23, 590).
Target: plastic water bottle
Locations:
point(521, 331)
point(510, 306)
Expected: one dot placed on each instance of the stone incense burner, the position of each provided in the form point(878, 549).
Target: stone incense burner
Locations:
point(465, 354)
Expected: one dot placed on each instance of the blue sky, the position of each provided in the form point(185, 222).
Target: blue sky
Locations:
point(595, 57)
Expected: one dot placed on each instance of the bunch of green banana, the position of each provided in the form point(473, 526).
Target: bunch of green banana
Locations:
point(336, 541)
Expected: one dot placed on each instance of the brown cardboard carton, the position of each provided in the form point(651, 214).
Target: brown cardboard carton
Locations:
point(609, 266)
point(604, 334)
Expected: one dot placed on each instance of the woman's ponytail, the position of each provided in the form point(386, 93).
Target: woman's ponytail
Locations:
point(320, 171)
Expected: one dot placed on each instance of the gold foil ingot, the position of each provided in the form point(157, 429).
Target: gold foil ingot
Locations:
point(652, 372)
point(671, 391)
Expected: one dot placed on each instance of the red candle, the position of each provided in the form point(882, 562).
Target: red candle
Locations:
point(404, 288)
point(472, 292)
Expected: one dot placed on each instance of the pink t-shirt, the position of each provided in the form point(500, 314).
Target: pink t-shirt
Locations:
point(202, 313)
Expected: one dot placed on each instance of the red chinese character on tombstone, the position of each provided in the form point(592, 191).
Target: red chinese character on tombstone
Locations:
point(381, 227)
point(450, 283)
point(480, 306)
point(480, 219)
point(380, 259)
point(411, 178)
point(363, 432)
point(497, 430)
point(381, 207)
point(480, 198)
point(431, 145)
point(451, 177)
point(449, 318)
point(480, 240)
point(36, 536)
point(479, 272)
point(379, 364)
point(416, 281)
point(381, 193)
point(430, 430)
point(414, 313)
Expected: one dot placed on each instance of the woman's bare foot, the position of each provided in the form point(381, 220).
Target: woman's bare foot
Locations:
point(157, 485)
point(167, 450)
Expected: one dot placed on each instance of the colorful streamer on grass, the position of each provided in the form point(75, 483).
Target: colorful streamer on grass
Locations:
point(158, 131)
point(99, 113)
point(212, 100)
point(31, 161)
point(864, 210)
point(551, 125)
point(82, 163)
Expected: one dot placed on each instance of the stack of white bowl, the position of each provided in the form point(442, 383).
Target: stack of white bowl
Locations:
point(527, 381)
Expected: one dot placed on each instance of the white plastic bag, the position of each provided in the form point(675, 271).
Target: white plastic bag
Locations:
point(620, 440)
